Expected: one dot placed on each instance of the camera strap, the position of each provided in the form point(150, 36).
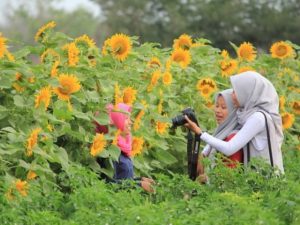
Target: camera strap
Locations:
point(193, 146)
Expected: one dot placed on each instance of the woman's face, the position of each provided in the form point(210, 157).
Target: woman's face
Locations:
point(127, 125)
point(235, 100)
point(221, 111)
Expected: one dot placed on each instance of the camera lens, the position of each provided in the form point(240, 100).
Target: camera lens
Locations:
point(178, 121)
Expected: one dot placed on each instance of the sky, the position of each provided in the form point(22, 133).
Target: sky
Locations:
point(68, 5)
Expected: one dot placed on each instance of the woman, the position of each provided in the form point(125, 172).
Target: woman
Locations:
point(261, 134)
point(226, 118)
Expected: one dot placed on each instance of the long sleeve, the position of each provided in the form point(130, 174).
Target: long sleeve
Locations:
point(206, 150)
point(253, 126)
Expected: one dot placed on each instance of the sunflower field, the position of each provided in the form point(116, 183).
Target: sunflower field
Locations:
point(54, 92)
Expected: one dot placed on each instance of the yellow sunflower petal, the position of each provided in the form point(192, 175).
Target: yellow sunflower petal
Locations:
point(43, 97)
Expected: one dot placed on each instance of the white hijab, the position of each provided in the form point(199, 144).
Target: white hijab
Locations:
point(255, 93)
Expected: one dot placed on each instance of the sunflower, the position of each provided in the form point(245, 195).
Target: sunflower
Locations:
point(206, 87)
point(31, 79)
point(287, 120)
point(154, 79)
point(18, 87)
point(182, 57)
point(3, 47)
point(245, 69)
point(154, 63)
point(137, 146)
point(129, 95)
point(210, 104)
point(31, 175)
point(32, 140)
point(43, 97)
point(54, 69)
point(246, 51)
point(225, 54)
point(296, 107)
point(42, 30)
point(54, 56)
point(167, 78)
point(228, 67)
point(18, 76)
point(105, 46)
point(73, 54)
point(120, 45)
point(118, 95)
point(85, 40)
point(161, 127)
point(98, 145)
point(68, 84)
point(168, 64)
point(281, 50)
point(281, 103)
point(22, 187)
point(184, 42)
point(137, 121)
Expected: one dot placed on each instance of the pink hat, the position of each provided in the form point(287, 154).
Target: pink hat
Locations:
point(119, 114)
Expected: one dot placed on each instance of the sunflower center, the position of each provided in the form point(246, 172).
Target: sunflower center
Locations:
point(66, 89)
point(179, 58)
point(185, 45)
point(245, 53)
point(281, 50)
point(296, 106)
point(205, 90)
point(120, 49)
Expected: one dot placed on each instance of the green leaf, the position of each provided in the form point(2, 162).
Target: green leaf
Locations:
point(61, 111)
point(22, 53)
point(9, 129)
point(19, 101)
point(5, 82)
point(165, 157)
point(81, 115)
point(114, 152)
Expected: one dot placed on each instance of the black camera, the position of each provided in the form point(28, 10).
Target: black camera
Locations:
point(180, 120)
point(193, 143)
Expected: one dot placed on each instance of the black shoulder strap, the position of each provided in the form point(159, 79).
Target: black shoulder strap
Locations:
point(269, 142)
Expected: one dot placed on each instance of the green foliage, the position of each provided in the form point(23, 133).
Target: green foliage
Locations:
point(55, 142)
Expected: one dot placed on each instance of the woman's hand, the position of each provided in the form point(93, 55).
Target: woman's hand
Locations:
point(151, 181)
point(192, 125)
point(147, 186)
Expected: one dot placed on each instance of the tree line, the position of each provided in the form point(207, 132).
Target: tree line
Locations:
point(260, 22)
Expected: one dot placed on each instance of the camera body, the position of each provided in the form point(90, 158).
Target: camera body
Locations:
point(180, 120)
point(193, 144)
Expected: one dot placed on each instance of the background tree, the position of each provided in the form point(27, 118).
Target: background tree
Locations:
point(260, 22)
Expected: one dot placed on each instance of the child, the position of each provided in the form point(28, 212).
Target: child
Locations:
point(123, 168)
